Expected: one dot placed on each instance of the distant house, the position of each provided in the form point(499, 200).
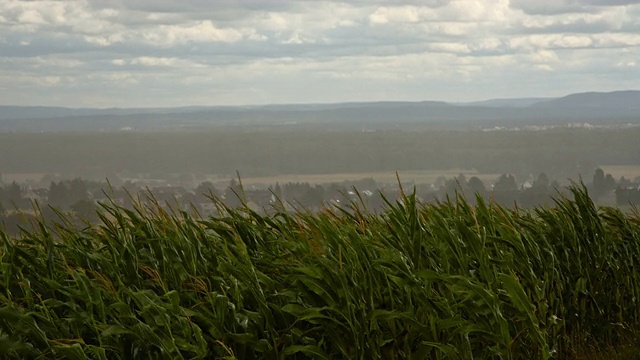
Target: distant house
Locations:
point(39, 195)
point(261, 198)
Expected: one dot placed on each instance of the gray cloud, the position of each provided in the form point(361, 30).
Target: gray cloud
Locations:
point(553, 7)
point(149, 52)
point(611, 2)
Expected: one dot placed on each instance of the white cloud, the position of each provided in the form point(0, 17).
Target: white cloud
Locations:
point(154, 61)
point(204, 31)
point(618, 39)
point(627, 64)
point(401, 14)
point(274, 22)
point(573, 41)
point(552, 7)
point(229, 48)
point(450, 48)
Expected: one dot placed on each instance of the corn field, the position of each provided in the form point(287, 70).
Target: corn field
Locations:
point(422, 281)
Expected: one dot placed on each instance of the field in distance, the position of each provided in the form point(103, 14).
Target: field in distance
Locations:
point(383, 177)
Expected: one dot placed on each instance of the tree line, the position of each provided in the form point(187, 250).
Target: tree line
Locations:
point(560, 153)
point(82, 197)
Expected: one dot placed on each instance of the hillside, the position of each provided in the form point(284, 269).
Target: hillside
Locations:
point(595, 108)
point(617, 100)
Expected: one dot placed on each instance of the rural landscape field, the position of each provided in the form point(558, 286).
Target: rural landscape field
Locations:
point(320, 179)
point(445, 280)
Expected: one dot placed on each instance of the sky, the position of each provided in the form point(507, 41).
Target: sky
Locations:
point(150, 53)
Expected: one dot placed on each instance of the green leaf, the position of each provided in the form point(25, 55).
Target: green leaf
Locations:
point(72, 352)
point(308, 350)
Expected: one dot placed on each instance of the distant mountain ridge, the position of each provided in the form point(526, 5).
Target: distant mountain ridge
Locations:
point(508, 103)
point(593, 107)
point(629, 99)
point(50, 112)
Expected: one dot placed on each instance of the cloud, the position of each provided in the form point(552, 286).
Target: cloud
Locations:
point(220, 51)
point(554, 7)
point(610, 2)
point(151, 61)
point(204, 31)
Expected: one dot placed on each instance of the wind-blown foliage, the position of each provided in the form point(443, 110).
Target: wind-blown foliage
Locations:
point(439, 281)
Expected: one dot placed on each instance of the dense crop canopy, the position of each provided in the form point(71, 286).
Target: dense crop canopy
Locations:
point(438, 281)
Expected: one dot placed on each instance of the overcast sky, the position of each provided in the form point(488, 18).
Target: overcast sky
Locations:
point(140, 53)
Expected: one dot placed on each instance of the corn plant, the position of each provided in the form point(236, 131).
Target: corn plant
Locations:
point(445, 280)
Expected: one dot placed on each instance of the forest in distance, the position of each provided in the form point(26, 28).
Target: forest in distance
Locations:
point(560, 152)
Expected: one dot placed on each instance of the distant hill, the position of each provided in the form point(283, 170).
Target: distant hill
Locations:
point(50, 112)
point(8, 112)
point(507, 103)
point(594, 108)
point(41, 112)
point(611, 100)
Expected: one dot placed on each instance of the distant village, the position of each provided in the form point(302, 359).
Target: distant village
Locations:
point(20, 202)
